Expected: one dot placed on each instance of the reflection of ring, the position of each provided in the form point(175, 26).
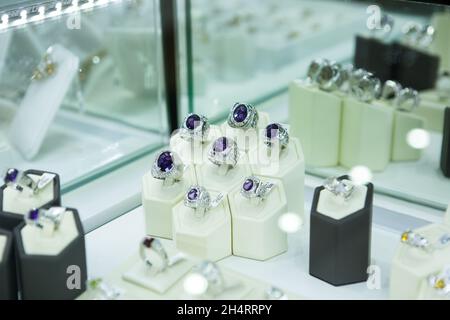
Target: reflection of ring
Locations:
point(275, 134)
point(408, 99)
point(391, 90)
point(212, 274)
point(366, 87)
point(441, 282)
point(416, 240)
point(330, 77)
point(199, 199)
point(168, 167)
point(224, 152)
point(48, 220)
point(243, 116)
point(149, 245)
point(105, 291)
point(253, 188)
point(46, 67)
point(340, 188)
point(274, 293)
point(195, 127)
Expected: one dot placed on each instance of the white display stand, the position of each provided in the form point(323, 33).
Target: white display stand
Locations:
point(245, 139)
point(411, 266)
point(207, 237)
point(41, 102)
point(334, 207)
point(16, 202)
point(366, 136)
point(441, 42)
point(432, 110)
point(141, 275)
point(315, 118)
point(289, 167)
point(194, 151)
point(35, 242)
point(404, 122)
point(3, 240)
point(158, 202)
point(211, 177)
point(256, 233)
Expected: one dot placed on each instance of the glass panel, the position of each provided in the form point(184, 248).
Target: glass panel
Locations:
point(97, 64)
point(252, 51)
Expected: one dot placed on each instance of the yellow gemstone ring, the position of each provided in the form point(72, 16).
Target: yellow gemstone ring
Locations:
point(441, 282)
point(46, 68)
point(416, 240)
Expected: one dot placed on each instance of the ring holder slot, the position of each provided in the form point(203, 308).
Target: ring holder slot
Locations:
point(8, 280)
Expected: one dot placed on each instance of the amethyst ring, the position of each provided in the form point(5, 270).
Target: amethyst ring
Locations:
point(21, 181)
point(195, 128)
point(254, 189)
point(243, 116)
point(167, 167)
point(199, 199)
point(48, 220)
point(275, 134)
point(224, 153)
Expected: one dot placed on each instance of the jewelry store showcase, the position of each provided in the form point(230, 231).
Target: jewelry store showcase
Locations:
point(224, 150)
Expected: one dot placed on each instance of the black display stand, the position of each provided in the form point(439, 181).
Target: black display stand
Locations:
point(340, 249)
point(8, 280)
point(375, 56)
point(9, 220)
point(445, 153)
point(46, 277)
point(413, 68)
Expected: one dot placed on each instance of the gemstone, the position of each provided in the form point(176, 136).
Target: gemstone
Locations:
point(192, 121)
point(272, 130)
point(248, 185)
point(11, 175)
point(148, 242)
point(193, 194)
point(33, 214)
point(240, 113)
point(405, 236)
point(165, 161)
point(440, 284)
point(220, 144)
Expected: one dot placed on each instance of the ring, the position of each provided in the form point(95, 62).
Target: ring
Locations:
point(149, 245)
point(408, 99)
point(340, 188)
point(46, 67)
point(21, 181)
point(275, 133)
point(224, 153)
point(411, 32)
point(365, 87)
point(416, 240)
point(253, 188)
point(274, 293)
point(195, 127)
point(211, 272)
point(244, 116)
point(199, 199)
point(330, 76)
point(441, 282)
point(314, 69)
point(391, 90)
point(426, 36)
point(105, 291)
point(48, 220)
point(167, 167)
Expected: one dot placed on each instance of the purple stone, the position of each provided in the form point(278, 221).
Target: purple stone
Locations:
point(240, 113)
point(165, 161)
point(193, 194)
point(221, 144)
point(11, 175)
point(148, 242)
point(192, 121)
point(272, 130)
point(33, 214)
point(248, 185)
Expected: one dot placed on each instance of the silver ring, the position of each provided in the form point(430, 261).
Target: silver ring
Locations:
point(391, 90)
point(243, 116)
point(276, 134)
point(21, 181)
point(408, 99)
point(102, 289)
point(330, 77)
point(341, 188)
point(199, 199)
point(167, 167)
point(48, 220)
point(254, 189)
point(224, 153)
point(195, 128)
point(416, 240)
point(411, 33)
point(149, 245)
point(426, 36)
point(365, 87)
point(211, 272)
point(314, 69)
point(441, 281)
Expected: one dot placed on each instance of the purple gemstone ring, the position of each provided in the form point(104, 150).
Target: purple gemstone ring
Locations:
point(254, 189)
point(48, 220)
point(167, 167)
point(199, 199)
point(19, 181)
point(276, 135)
point(243, 116)
point(224, 153)
point(195, 128)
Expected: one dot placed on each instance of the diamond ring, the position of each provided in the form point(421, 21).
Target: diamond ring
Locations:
point(48, 220)
point(148, 249)
point(276, 134)
point(199, 199)
point(314, 69)
point(254, 189)
point(408, 99)
point(365, 86)
point(391, 90)
point(21, 181)
point(195, 128)
point(224, 153)
point(441, 282)
point(416, 240)
point(243, 115)
point(341, 188)
point(167, 167)
point(330, 77)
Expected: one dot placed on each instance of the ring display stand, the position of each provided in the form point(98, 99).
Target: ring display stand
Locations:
point(45, 263)
point(366, 137)
point(432, 110)
point(207, 237)
point(411, 266)
point(158, 202)
point(13, 205)
point(441, 42)
point(8, 280)
point(289, 167)
point(404, 122)
point(256, 234)
point(315, 118)
point(340, 236)
point(445, 151)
